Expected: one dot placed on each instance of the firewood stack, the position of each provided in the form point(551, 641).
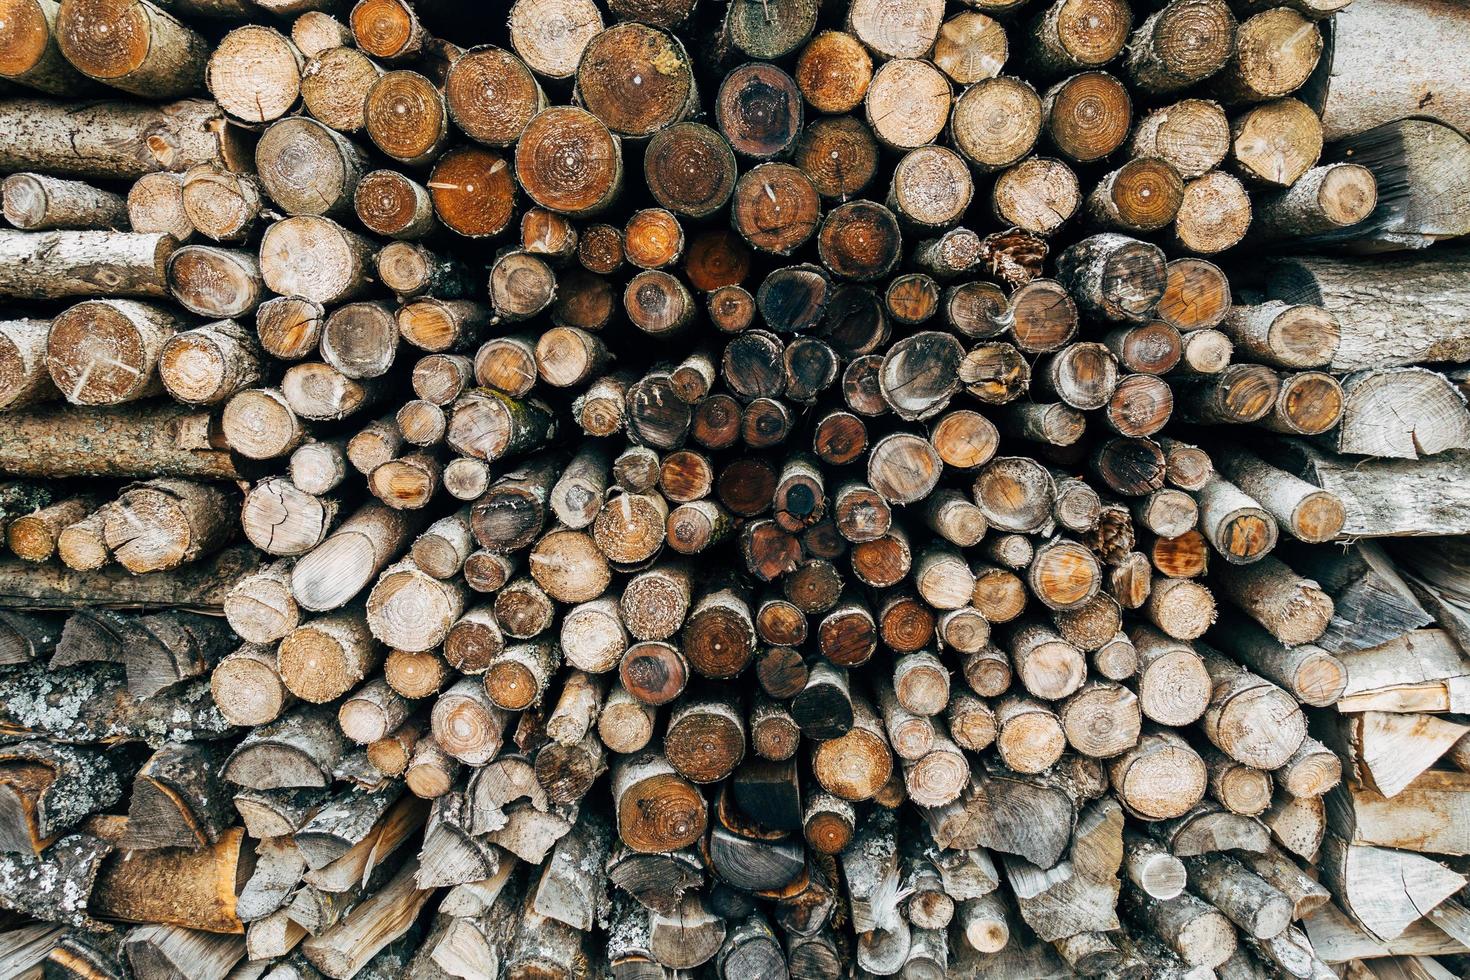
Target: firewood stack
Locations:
point(747, 488)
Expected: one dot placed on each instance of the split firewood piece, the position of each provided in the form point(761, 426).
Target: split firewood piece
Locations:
point(323, 659)
point(531, 832)
point(25, 637)
point(566, 891)
point(178, 799)
point(1368, 817)
point(500, 787)
point(1255, 906)
point(983, 922)
point(165, 523)
point(1197, 933)
point(1207, 828)
point(1384, 906)
point(23, 363)
point(193, 889)
point(46, 788)
point(467, 724)
point(1028, 815)
point(1114, 277)
point(160, 950)
point(260, 606)
point(855, 764)
point(1296, 824)
point(1059, 902)
point(332, 573)
point(1291, 608)
point(342, 823)
point(344, 949)
point(111, 140)
point(1237, 526)
point(91, 703)
point(656, 880)
point(1400, 413)
point(450, 854)
point(754, 855)
point(478, 940)
point(1237, 787)
point(300, 749)
point(277, 812)
point(278, 869)
point(872, 872)
point(159, 649)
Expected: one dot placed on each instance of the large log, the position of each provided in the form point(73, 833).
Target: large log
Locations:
point(201, 586)
point(1367, 77)
point(1418, 294)
point(56, 264)
point(154, 438)
point(1391, 497)
point(113, 140)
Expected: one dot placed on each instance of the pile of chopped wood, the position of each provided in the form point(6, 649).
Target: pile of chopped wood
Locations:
point(570, 488)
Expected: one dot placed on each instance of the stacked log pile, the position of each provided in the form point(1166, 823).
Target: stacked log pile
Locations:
point(645, 488)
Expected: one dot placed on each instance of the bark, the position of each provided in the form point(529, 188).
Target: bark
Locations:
point(56, 885)
point(49, 788)
point(1356, 94)
point(110, 140)
point(57, 264)
point(202, 585)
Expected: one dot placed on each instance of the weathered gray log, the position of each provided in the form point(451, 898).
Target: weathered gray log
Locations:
point(1382, 63)
point(56, 885)
point(58, 264)
point(1389, 497)
point(1420, 295)
point(92, 704)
